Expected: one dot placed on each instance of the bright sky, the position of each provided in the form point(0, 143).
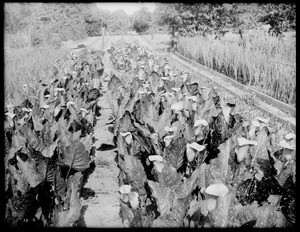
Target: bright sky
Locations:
point(128, 7)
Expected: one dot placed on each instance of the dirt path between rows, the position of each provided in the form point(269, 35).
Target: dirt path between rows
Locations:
point(102, 208)
point(100, 198)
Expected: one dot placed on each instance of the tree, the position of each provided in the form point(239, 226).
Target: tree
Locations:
point(142, 20)
point(187, 19)
point(280, 17)
point(95, 20)
point(46, 23)
point(119, 22)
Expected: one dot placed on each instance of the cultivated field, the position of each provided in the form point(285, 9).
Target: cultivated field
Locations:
point(188, 153)
point(258, 60)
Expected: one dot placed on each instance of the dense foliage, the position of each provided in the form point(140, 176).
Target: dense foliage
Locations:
point(42, 24)
point(206, 18)
point(142, 21)
point(48, 144)
point(185, 158)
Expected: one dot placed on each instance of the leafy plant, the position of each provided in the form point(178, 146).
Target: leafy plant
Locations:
point(180, 150)
point(45, 164)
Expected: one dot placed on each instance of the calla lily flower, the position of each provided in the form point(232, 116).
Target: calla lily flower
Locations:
point(155, 158)
point(127, 195)
point(170, 129)
point(45, 106)
point(165, 78)
point(226, 110)
point(184, 76)
point(124, 189)
point(83, 112)
point(169, 96)
point(192, 149)
point(200, 122)
point(158, 166)
point(26, 109)
point(243, 147)
point(56, 111)
point(263, 120)
point(243, 141)
point(290, 136)
point(176, 89)
point(178, 106)
point(70, 103)
point(212, 193)
point(10, 115)
point(133, 199)
point(146, 85)
point(9, 106)
point(128, 137)
point(217, 190)
point(245, 123)
point(211, 203)
point(254, 125)
point(59, 89)
point(168, 139)
point(286, 145)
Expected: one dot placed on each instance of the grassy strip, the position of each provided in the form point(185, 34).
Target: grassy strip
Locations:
point(258, 60)
point(27, 66)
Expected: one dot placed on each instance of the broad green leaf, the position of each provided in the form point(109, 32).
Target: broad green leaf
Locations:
point(175, 152)
point(48, 151)
point(66, 218)
point(135, 172)
point(33, 171)
point(75, 156)
point(163, 195)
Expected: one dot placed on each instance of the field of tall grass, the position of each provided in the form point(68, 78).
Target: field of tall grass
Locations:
point(27, 66)
point(259, 60)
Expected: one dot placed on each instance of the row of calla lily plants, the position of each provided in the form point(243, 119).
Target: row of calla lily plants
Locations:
point(185, 159)
point(48, 143)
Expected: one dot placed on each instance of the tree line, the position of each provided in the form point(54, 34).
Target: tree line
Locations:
point(56, 22)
